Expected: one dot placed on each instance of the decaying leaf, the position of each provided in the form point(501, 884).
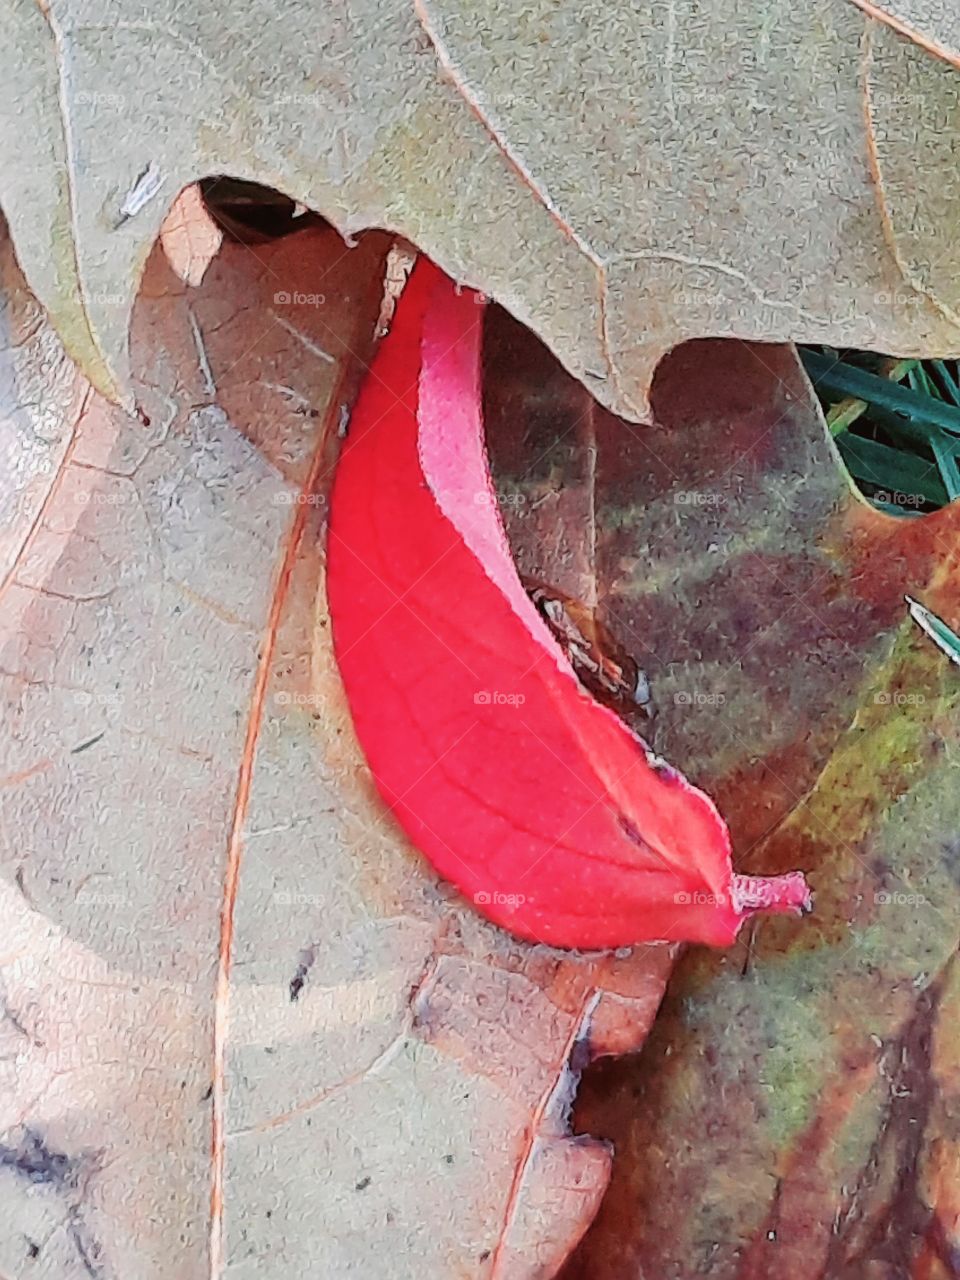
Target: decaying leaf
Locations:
point(794, 1111)
point(785, 172)
point(214, 939)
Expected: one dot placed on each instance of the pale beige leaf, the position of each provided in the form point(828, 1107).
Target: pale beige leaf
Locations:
point(247, 1032)
point(189, 236)
point(621, 179)
point(931, 23)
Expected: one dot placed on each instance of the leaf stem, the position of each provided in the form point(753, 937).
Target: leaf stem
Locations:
point(772, 893)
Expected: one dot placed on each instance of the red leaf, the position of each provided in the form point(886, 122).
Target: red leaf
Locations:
point(538, 802)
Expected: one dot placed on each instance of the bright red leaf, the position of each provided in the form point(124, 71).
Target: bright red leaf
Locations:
point(538, 802)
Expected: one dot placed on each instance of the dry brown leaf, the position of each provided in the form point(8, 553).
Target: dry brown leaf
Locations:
point(785, 172)
point(213, 940)
point(932, 24)
point(794, 1111)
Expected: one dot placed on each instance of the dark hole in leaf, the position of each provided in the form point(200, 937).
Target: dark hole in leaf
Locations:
point(251, 213)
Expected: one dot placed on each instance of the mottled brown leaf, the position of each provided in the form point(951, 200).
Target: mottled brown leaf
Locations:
point(794, 1112)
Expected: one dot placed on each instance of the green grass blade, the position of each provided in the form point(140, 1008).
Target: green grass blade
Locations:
point(948, 383)
point(870, 462)
point(946, 640)
point(947, 462)
point(895, 401)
